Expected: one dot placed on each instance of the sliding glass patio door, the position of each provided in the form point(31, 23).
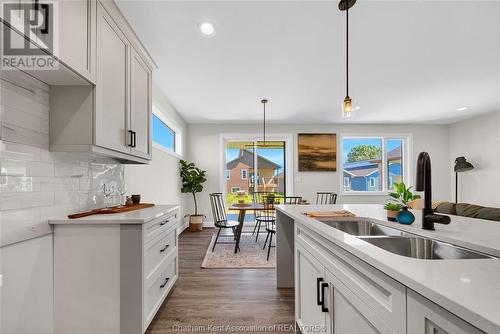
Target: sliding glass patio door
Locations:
point(254, 166)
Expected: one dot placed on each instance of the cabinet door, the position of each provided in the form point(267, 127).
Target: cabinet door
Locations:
point(308, 314)
point(348, 313)
point(77, 33)
point(425, 317)
point(27, 287)
point(112, 89)
point(140, 106)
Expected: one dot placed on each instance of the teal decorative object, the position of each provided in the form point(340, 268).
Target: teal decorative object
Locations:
point(405, 217)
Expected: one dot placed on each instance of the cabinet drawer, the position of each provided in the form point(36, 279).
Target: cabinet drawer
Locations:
point(156, 292)
point(384, 295)
point(158, 250)
point(157, 226)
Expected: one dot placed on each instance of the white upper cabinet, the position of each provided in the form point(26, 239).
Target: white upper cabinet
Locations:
point(112, 118)
point(140, 106)
point(112, 88)
point(77, 36)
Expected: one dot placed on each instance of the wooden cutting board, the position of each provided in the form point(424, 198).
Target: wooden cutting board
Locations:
point(113, 209)
point(330, 214)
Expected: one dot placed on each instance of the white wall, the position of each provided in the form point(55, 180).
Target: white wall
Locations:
point(478, 140)
point(204, 148)
point(159, 182)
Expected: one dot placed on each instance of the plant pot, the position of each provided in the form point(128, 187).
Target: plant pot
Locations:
point(391, 215)
point(196, 223)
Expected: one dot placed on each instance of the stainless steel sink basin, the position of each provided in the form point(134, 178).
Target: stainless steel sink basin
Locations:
point(361, 227)
point(402, 243)
point(423, 248)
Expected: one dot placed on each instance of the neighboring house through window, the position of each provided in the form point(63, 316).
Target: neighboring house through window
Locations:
point(244, 174)
point(374, 163)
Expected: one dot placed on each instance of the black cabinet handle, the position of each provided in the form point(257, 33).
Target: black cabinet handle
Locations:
point(164, 283)
point(323, 307)
point(131, 138)
point(134, 136)
point(318, 298)
point(164, 222)
point(164, 249)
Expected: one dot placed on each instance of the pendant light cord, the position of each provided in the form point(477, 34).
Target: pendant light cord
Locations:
point(264, 126)
point(347, 48)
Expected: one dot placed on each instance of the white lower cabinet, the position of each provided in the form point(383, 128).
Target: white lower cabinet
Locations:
point(309, 277)
point(112, 277)
point(336, 292)
point(425, 317)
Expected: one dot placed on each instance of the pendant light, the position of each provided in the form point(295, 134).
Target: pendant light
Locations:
point(347, 105)
point(264, 102)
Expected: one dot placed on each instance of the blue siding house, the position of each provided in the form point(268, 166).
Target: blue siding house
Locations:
point(365, 175)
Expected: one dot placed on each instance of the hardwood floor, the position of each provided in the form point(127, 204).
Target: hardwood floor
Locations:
point(221, 297)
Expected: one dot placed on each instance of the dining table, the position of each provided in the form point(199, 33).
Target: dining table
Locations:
point(242, 210)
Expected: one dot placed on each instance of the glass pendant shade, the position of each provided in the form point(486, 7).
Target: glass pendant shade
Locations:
point(348, 108)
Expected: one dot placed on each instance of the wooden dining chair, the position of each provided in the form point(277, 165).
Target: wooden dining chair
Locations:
point(326, 198)
point(220, 217)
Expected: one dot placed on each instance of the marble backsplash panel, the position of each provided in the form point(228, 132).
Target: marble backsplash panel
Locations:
point(36, 184)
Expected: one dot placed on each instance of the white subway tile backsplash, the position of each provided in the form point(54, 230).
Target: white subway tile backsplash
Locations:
point(16, 201)
point(36, 184)
point(19, 183)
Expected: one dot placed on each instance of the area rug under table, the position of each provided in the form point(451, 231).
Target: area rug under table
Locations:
point(251, 254)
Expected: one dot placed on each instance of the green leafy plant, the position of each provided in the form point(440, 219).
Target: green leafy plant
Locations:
point(402, 194)
point(363, 152)
point(393, 206)
point(192, 180)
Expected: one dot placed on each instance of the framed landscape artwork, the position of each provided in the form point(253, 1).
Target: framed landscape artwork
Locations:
point(317, 152)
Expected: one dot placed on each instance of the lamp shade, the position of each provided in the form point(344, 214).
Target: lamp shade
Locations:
point(462, 165)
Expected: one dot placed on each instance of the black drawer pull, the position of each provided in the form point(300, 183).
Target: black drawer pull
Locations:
point(323, 307)
point(164, 283)
point(164, 222)
point(164, 249)
point(131, 138)
point(318, 282)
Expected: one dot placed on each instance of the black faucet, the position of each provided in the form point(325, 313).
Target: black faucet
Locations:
point(424, 184)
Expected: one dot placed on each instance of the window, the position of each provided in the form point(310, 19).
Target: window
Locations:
point(228, 174)
point(235, 189)
point(372, 182)
point(244, 174)
point(373, 164)
point(347, 183)
point(162, 134)
point(166, 136)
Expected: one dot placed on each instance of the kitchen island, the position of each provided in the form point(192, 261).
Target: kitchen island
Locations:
point(345, 284)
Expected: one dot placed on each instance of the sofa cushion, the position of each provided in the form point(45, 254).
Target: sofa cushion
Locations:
point(446, 208)
point(468, 210)
point(489, 213)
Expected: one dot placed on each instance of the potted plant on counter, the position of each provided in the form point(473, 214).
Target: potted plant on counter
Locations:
point(192, 183)
point(400, 196)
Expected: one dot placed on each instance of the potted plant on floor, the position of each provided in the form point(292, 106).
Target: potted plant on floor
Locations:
point(400, 196)
point(192, 183)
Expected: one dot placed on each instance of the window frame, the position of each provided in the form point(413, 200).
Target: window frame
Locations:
point(234, 191)
point(384, 177)
point(228, 174)
point(157, 111)
point(246, 174)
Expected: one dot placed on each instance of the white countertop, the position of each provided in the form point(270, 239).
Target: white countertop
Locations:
point(131, 217)
point(469, 288)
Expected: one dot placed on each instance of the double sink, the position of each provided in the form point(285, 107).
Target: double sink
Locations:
point(402, 243)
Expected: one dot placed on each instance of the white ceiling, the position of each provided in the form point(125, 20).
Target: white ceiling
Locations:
point(411, 61)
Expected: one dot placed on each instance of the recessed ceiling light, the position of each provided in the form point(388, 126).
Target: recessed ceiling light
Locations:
point(207, 28)
point(461, 108)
